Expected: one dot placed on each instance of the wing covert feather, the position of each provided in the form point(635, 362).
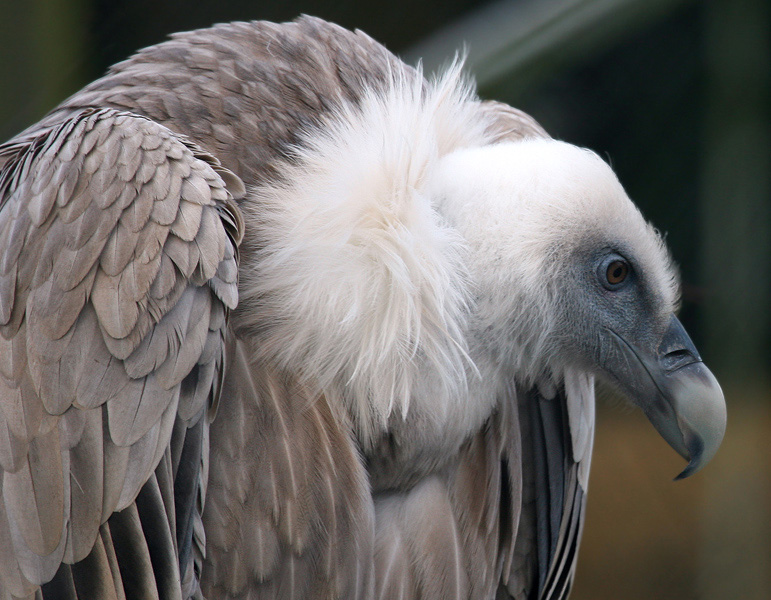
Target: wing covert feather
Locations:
point(509, 123)
point(102, 338)
point(288, 510)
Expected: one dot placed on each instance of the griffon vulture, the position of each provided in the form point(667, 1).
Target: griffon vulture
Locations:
point(282, 319)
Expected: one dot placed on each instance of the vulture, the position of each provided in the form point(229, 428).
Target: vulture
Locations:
point(283, 318)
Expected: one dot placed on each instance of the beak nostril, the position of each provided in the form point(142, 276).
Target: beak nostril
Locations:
point(676, 348)
point(677, 359)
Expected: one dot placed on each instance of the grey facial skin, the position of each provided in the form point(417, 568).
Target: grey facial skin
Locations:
point(640, 347)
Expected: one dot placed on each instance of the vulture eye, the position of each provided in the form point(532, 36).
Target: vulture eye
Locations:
point(617, 272)
point(614, 272)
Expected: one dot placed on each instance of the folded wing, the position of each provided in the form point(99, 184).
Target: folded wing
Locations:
point(118, 268)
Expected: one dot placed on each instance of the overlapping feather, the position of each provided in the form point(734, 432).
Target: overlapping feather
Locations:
point(100, 326)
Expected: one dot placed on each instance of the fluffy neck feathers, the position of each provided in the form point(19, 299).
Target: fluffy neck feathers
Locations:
point(349, 277)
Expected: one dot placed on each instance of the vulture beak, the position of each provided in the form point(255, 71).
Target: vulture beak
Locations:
point(678, 394)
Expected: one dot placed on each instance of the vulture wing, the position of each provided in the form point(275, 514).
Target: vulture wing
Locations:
point(556, 435)
point(246, 92)
point(118, 268)
point(290, 513)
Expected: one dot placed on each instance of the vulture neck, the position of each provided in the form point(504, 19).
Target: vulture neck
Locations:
point(398, 264)
point(350, 279)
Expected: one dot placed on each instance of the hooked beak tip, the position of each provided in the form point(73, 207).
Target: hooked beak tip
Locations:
point(695, 463)
point(701, 416)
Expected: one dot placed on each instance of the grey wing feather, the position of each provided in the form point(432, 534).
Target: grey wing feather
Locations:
point(508, 123)
point(555, 463)
point(288, 509)
point(247, 92)
point(103, 340)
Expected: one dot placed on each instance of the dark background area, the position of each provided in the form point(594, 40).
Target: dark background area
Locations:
point(676, 96)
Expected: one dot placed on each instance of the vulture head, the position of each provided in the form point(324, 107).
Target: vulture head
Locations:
point(569, 275)
point(411, 265)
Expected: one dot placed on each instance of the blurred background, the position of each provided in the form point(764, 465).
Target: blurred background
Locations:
point(675, 94)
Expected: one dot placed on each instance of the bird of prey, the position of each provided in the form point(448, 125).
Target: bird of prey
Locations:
point(282, 318)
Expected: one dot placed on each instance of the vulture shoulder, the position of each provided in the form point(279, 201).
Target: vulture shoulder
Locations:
point(246, 91)
point(118, 269)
